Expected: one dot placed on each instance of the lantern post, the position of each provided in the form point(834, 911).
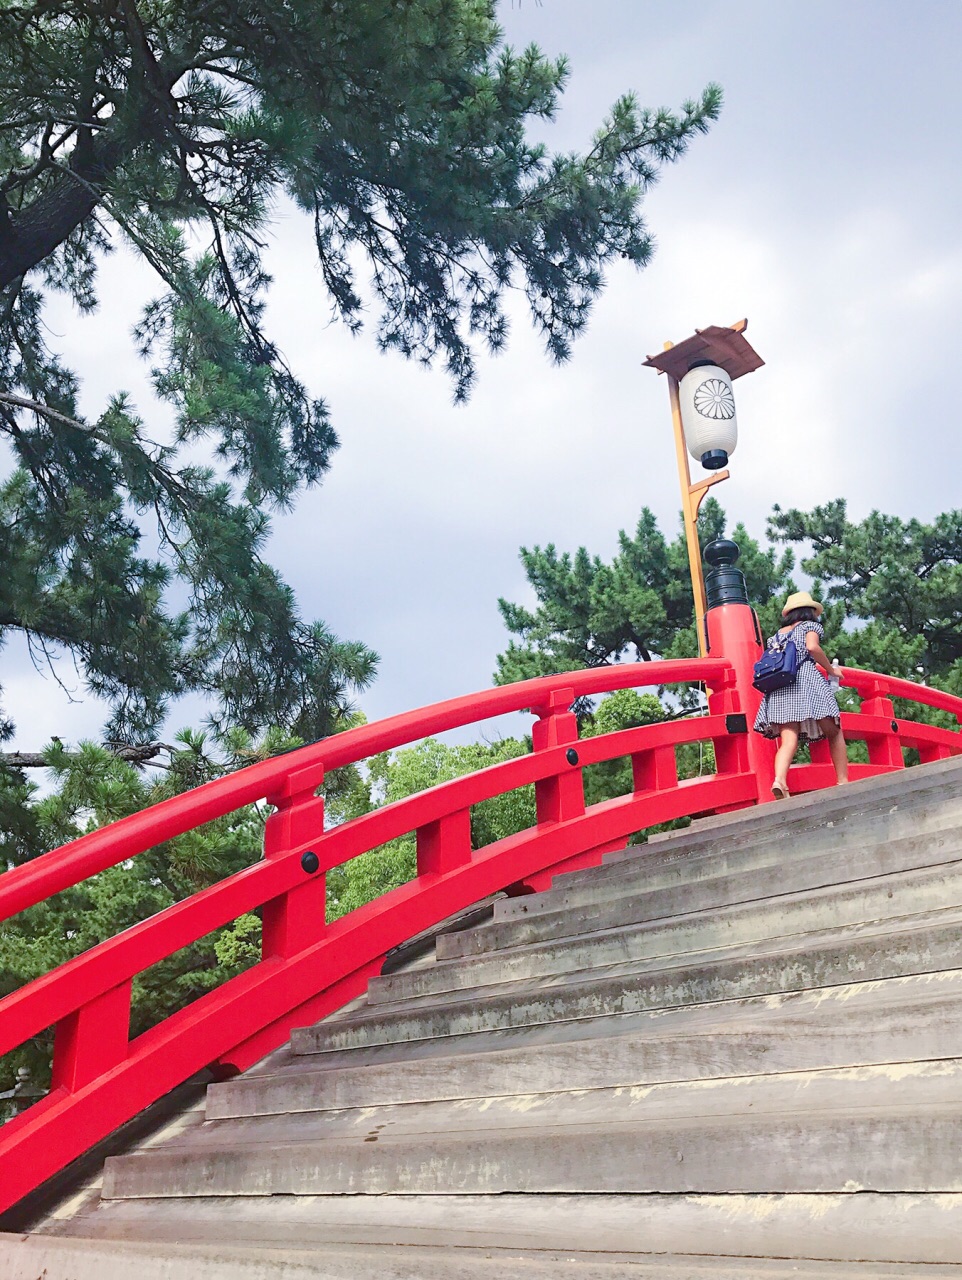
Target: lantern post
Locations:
point(700, 371)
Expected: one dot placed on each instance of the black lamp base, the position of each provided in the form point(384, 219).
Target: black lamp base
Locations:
point(725, 584)
point(714, 459)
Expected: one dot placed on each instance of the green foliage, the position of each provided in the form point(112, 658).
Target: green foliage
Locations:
point(91, 788)
point(400, 129)
point(239, 946)
point(898, 582)
point(394, 776)
point(638, 606)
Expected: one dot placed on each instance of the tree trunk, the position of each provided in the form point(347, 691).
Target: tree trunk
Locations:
point(34, 232)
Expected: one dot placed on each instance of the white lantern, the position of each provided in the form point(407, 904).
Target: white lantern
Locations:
point(708, 415)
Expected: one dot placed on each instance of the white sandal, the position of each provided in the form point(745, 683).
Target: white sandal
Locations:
point(779, 790)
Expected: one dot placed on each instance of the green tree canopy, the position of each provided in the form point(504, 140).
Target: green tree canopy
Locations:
point(892, 591)
point(638, 606)
point(897, 582)
point(399, 127)
point(89, 788)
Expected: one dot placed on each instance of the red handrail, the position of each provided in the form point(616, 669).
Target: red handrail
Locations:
point(102, 1078)
point(303, 770)
point(51, 997)
point(870, 684)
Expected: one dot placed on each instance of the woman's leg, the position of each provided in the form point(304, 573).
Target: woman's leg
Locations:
point(787, 746)
point(836, 746)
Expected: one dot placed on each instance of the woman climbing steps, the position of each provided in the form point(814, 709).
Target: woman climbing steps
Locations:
point(807, 709)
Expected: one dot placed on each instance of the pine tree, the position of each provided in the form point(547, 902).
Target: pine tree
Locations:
point(399, 128)
point(637, 607)
point(898, 582)
point(892, 591)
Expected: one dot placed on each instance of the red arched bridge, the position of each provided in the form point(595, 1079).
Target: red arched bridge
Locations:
point(101, 1077)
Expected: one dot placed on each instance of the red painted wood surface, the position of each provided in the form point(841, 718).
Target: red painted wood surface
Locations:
point(101, 1078)
point(302, 771)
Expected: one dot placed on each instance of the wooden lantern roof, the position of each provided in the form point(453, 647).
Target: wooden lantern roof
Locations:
point(728, 348)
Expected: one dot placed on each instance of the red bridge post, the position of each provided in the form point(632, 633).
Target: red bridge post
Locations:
point(561, 797)
point(733, 633)
point(298, 917)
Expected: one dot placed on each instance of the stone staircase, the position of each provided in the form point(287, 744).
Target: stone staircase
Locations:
point(733, 1052)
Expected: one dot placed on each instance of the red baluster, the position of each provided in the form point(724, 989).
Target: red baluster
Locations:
point(563, 796)
point(884, 748)
point(297, 918)
point(92, 1039)
point(560, 797)
point(444, 844)
point(654, 770)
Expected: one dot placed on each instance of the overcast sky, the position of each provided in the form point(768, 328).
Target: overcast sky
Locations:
point(824, 206)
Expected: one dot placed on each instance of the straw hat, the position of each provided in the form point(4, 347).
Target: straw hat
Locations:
point(801, 600)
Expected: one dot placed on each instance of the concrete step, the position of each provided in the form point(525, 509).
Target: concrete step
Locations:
point(569, 912)
point(844, 1230)
point(912, 1152)
point(894, 1128)
point(31, 1258)
point(888, 949)
point(900, 1020)
point(866, 795)
point(835, 907)
point(599, 1024)
point(928, 792)
point(876, 1089)
point(660, 867)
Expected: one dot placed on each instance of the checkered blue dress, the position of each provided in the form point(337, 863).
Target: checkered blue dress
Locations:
point(805, 702)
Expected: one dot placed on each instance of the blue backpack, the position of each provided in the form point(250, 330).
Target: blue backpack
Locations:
point(777, 667)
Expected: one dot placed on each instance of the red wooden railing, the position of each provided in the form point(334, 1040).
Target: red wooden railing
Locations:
point(886, 737)
point(101, 1077)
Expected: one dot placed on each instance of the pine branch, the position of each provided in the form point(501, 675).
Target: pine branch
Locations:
point(21, 402)
point(145, 753)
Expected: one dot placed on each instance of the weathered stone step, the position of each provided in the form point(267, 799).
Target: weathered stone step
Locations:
point(835, 907)
point(928, 792)
point(842, 833)
point(889, 949)
point(812, 1154)
point(32, 1258)
point(656, 868)
point(858, 1025)
point(592, 1026)
point(897, 1086)
point(863, 1228)
point(896, 1128)
point(590, 907)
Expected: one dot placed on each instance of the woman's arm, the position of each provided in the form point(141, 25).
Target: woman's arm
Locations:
point(818, 653)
